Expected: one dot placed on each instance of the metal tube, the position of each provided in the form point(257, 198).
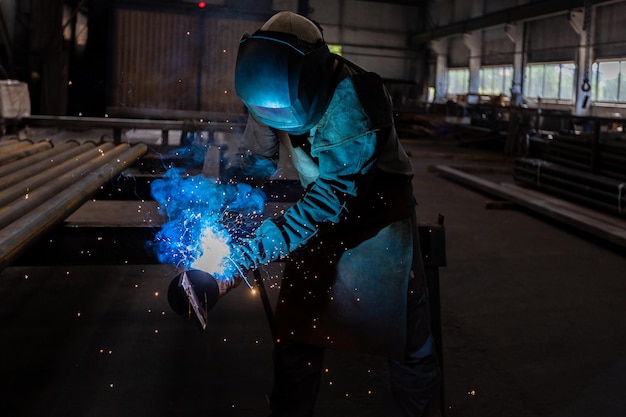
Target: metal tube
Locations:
point(7, 149)
point(24, 152)
point(23, 188)
point(8, 142)
point(33, 159)
point(29, 172)
point(15, 238)
point(21, 206)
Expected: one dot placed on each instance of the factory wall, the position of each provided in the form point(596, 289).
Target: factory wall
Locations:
point(168, 63)
point(550, 38)
point(175, 62)
point(555, 38)
point(7, 9)
point(372, 34)
point(610, 33)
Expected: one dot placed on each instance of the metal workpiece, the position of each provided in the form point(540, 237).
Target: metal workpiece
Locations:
point(15, 176)
point(14, 166)
point(23, 151)
point(21, 233)
point(9, 143)
point(23, 187)
point(55, 184)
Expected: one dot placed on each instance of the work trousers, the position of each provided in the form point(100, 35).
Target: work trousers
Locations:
point(414, 382)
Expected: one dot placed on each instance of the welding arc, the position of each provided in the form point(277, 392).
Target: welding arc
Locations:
point(20, 234)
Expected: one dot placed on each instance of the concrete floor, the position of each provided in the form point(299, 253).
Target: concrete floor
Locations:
point(533, 325)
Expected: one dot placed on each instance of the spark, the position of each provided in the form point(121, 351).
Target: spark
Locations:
point(205, 219)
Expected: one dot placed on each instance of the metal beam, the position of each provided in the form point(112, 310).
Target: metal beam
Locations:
point(524, 12)
point(588, 221)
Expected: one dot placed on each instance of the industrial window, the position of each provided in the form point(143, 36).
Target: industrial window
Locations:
point(608, 80)
point(550, 81)
point(458, 81)
point(496, 80)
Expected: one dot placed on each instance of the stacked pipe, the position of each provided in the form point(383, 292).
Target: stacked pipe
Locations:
point(605, 156)
point(595, 190)
point(41, 187)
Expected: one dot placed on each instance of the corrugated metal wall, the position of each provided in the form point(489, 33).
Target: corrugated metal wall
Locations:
point(498, 49)
point(172, 62)
point(610, 36)
point(552, 40)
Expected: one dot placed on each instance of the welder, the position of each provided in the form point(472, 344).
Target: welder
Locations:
point(354, 278)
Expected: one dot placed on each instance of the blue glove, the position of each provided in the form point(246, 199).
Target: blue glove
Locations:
point(266, 246)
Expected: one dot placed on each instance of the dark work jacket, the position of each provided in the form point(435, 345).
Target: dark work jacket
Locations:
point(352, 279)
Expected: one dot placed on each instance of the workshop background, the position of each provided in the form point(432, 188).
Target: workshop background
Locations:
point(512, 114)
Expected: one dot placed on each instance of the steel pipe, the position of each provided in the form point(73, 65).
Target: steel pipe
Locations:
point(9, 148)
point(8, 142)
point(16, 237)
point(21, 206)
point(28, 177)
point(20, 153)
point(33, 159)
point(23, 188)
point(599, 191)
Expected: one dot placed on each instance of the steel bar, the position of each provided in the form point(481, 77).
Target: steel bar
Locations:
point(8, 142)
point(26, 174)
point(596, 190)
point(33, 159)
point(119, 124)
point(8, 149)
point(594, 223)
point(21, 206)
point(23, 188)
point(16, 237)
point(609, 158)
point(24, 152)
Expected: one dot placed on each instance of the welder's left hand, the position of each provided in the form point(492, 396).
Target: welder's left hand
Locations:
point(244, 255)
point(267, 245)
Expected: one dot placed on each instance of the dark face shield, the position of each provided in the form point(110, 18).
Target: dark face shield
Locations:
point(283, 85)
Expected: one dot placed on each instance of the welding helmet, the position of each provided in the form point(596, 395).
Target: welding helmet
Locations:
point(284, 73)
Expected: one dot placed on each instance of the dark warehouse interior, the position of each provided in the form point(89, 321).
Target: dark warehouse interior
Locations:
point(512, 115)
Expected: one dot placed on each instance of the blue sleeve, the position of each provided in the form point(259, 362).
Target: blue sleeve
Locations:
point(345, 145)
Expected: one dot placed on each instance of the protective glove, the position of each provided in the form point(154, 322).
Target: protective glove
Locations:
point(266, 246)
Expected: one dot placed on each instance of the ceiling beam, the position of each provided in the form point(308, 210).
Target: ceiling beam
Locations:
point(524, 12)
